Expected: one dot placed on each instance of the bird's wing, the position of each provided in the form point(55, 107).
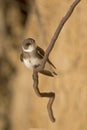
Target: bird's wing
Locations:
point(21, 56)
point(41, 53)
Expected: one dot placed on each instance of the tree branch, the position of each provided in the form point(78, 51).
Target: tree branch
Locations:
point(51, 95)
point(56, 34)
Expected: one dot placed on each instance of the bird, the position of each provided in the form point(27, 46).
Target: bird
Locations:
point(32, 56)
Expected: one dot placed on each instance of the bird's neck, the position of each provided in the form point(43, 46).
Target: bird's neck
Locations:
point(31, 54)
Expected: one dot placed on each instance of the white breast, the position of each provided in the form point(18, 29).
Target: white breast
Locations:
point(29, 63)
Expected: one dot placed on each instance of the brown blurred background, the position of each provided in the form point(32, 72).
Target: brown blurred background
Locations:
point(20, 108)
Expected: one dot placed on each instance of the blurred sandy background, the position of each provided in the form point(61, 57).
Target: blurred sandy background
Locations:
point(20, 108)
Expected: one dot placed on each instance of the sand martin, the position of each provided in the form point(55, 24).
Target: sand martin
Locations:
point(32, 56)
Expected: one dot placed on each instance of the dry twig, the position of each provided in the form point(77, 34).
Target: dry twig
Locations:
point(51, 95)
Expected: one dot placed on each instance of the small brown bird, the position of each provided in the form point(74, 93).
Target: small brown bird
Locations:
point(32, 56)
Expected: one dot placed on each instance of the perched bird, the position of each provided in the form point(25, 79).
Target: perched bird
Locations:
point(32, 56)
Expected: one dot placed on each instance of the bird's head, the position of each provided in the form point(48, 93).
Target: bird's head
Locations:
point(28, 45)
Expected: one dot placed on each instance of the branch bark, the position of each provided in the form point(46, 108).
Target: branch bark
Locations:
point(51, 95)
point(56, 34)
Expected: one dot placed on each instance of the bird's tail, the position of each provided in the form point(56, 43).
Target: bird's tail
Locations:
point(49, 70)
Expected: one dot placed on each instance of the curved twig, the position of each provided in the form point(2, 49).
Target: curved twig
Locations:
point(49, 95)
